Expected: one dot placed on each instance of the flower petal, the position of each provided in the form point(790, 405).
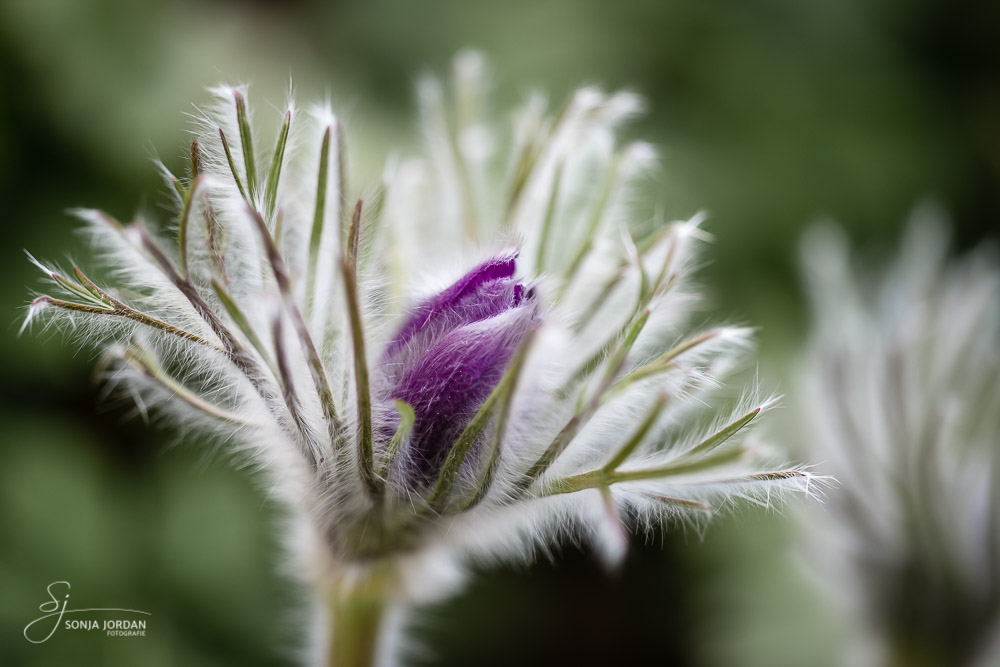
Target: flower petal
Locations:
point(483, 292)
point(450, 381)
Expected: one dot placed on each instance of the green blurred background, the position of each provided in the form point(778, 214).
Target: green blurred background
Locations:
point(770, 114)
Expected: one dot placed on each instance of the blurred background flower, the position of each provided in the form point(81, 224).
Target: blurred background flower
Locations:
point(768, 113)
point(902, 384)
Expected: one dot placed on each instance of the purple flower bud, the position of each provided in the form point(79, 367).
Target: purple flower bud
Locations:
point(449, 355)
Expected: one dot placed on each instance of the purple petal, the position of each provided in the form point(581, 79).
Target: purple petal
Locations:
point(479, 294)
point(450, 381)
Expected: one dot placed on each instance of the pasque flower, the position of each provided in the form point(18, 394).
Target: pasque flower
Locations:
point(475, 358)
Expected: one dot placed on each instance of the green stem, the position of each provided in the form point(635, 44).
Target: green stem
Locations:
point(357, 619)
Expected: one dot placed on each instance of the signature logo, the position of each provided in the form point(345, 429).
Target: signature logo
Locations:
point(57, 607)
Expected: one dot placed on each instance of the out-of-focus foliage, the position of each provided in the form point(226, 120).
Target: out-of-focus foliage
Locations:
point(769, 113)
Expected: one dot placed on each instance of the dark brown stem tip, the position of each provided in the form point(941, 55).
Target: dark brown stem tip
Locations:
point(195, 159)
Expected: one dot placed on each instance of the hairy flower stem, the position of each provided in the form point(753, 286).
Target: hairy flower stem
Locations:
point(357, 607)
point(354, 631)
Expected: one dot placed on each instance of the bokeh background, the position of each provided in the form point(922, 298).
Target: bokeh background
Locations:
point(770, 114)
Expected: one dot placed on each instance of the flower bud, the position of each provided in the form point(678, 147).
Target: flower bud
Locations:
point(450, 353)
